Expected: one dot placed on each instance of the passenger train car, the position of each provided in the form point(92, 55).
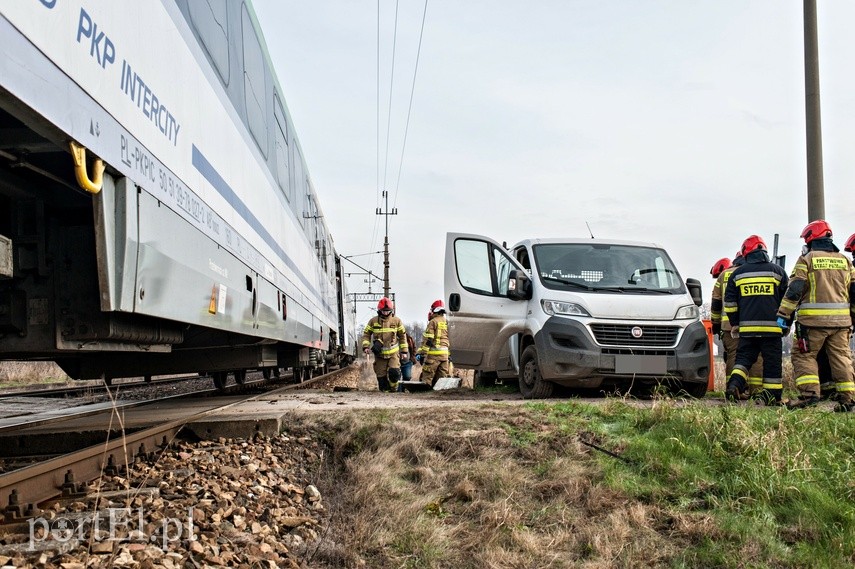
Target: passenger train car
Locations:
point(156, 212)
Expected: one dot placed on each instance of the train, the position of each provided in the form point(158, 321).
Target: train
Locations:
point(157, 215)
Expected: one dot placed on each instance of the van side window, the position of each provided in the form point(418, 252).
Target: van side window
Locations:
point(503, 271)
point(473, 265)
point(482, 268)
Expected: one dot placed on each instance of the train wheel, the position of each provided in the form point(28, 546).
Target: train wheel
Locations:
point(147, 379)
point(276, 372)
point(267, 373)
point(219, 378)
point(240, 376)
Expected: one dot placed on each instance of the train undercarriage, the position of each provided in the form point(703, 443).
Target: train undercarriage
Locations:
point(52, 280)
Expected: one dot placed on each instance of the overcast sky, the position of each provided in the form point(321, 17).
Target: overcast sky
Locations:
point(678, 122)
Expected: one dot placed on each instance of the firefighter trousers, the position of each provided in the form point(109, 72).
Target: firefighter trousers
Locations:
point(755, 372)
point(805, 367)
point(388, 372)
point(746, 355)
point(433, 369)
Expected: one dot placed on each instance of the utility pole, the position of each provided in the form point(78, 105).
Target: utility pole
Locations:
point(384, 211)
point(816, 192)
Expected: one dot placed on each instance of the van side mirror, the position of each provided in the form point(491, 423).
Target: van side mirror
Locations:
point(519, 286)
point(694, 286)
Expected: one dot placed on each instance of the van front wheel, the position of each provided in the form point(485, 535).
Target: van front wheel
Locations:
point(532, 384)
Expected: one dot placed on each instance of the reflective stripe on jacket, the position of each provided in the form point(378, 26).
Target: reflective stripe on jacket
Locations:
point(717, 303)
point(435, 340)
point(821, 290)
point(753, 295)
point(389, 331)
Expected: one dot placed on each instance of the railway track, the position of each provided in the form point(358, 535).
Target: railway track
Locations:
point(25, 491)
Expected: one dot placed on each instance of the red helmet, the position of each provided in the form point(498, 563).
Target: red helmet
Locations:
point(816, 230)
point(719, 266)
point(753, 243)
point(437, 306)
point(850, 244)
point(385, 304)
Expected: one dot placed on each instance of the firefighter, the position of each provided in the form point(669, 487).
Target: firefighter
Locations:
point(822, 291)
point(389, 345)
point(434, 350)
point(754, 292)
point(721, 271)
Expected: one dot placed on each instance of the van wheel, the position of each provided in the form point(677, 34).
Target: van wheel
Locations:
point(484, 378)
point(532, 384)
point(694, 389)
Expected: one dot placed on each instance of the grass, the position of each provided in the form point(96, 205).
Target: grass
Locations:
point(525, 486)
point(22, 374)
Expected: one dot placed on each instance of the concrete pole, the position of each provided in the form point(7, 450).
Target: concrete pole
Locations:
point(815, 189)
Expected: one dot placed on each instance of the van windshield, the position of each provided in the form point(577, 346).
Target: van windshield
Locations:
point(606, 268)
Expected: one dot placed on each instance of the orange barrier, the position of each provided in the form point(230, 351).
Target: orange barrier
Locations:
point(711, 380)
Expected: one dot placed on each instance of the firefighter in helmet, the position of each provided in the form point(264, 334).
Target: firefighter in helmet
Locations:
point(434, 351)
point(721, 271)
point(384, 335)
point(754, 292)
point(822, 293)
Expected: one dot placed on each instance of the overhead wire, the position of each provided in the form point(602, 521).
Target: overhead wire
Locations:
point(391, 85)
point(410, 108)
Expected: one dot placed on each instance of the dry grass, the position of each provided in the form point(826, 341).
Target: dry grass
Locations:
point(16, 374)
point(496, 487)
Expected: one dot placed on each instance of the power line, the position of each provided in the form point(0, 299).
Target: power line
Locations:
point(391, 84)
point(410, 109)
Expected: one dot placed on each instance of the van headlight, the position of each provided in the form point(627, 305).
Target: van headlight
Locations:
point(688, 312)
point(553, 307)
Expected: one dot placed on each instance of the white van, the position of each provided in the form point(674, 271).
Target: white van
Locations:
point(584, 313)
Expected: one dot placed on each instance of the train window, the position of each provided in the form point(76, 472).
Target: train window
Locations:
point(253, 83)
point(210, 20)
point(281, 147)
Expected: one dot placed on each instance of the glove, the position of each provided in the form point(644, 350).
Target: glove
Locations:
point(716, 328)
point(405, 357)
point(420, 358)
point(734, 332)
point(785, 327)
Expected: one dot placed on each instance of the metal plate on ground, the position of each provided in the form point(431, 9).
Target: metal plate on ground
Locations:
point(641, 364)
point(446, 383)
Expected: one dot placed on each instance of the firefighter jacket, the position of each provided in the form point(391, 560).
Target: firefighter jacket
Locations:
point(717, 304)
point(754, 292)
point(822, 289)
point(389, 332)
point(435, 340)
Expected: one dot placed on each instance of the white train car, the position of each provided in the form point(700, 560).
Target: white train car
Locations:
point(156, 211)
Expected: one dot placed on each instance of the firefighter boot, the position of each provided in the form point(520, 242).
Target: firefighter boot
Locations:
point(394, 378)
point(382, 383)
point(804, 401)
point(845, 403)
point(735, 386)
point(770, 397)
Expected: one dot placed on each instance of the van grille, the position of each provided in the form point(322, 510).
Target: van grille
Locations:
point(621, 335)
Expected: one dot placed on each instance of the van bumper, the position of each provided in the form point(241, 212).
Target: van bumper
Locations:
point(568, 355)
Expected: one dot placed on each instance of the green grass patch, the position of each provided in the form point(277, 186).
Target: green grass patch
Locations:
point(780, 485)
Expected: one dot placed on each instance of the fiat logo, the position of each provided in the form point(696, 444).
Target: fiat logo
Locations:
point(637, 332)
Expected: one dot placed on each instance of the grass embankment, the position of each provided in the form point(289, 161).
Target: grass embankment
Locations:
point(21, 374)
point(521, 486)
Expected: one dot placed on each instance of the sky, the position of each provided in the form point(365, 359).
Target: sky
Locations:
point(675, 122)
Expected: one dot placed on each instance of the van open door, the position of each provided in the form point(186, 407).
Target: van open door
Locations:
point(487, 292)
